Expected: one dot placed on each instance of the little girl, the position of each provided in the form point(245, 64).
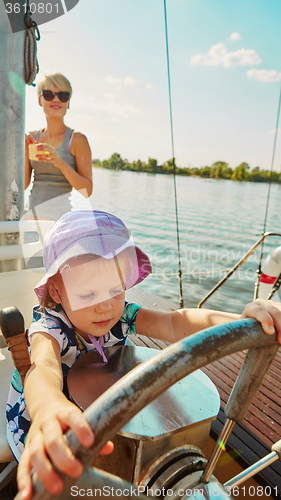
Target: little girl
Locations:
point(90, 261)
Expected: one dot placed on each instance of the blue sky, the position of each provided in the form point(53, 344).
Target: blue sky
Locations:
point(225, 62)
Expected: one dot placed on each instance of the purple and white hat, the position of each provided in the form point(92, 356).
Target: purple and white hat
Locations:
point(90, 232)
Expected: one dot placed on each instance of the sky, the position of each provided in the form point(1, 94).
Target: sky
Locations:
point(225, 68)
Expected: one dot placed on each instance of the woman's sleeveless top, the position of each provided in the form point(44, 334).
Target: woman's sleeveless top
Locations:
point(50, 183)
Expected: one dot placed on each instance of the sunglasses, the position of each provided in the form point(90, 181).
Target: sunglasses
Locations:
point(49, 95)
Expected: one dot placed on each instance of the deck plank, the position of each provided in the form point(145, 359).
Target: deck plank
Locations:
point(261, 427)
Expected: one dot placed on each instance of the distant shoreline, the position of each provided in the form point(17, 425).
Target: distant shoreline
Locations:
point(218, 170)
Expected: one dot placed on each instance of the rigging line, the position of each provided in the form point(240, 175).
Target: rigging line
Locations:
point(173, 153)
point(259, 272)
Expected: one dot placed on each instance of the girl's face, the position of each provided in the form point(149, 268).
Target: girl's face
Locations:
point(54, 108)
point(92, 294)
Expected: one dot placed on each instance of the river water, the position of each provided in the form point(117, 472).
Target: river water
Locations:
point(218, 220)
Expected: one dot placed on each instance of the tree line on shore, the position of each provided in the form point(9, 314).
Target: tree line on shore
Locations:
point(218, 169)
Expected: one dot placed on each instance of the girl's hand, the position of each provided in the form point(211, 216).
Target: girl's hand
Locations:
point(45, 439)
point(268, 313)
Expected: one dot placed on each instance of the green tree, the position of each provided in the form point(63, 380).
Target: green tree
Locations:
point(241, 173)
point(256, 175)
point(183, 171)
point(196, 171)
point(116, 162)
point(221, 170)
point(170, 163)
point(205, 171)
point(218, 170)
point(168, 166)
point(152, 165)
point(104, 164)
point(138, 166)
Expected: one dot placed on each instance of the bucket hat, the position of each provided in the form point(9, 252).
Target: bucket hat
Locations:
point(94, 232)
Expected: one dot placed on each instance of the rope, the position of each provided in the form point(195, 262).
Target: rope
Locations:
point(275, 287)
point(173, 154)
point(259, 271)
point(31, 66)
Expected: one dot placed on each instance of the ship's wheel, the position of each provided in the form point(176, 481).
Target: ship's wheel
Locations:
point(118, 405)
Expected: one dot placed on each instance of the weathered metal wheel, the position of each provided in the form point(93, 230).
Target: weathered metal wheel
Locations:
point(110, 412)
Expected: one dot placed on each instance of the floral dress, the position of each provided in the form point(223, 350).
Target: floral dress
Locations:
point(72, 346)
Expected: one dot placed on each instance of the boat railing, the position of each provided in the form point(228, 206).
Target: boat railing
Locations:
point(21, 263)
point(11, 251)
point(236, 266)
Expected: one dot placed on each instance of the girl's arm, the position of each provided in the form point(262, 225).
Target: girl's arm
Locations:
point(171, 326)
point(80, 149)
point(51, 414)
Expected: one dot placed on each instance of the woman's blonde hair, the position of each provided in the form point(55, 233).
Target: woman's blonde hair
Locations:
point(51, 82)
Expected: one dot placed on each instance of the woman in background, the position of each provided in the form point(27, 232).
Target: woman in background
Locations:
point(62, 159)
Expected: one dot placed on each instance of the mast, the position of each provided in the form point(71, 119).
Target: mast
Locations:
point(12, 126)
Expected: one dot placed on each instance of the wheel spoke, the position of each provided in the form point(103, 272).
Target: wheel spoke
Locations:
point(98, 483)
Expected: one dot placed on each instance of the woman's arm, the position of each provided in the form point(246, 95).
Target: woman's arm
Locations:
point(171, 326)
point(29, 139)
point(80, 149)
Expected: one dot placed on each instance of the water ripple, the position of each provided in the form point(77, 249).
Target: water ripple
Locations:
point(218, 220)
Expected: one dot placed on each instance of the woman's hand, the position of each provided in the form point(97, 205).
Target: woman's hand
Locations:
point(48, 153)
point(45, 439)
point(29, 139)
point(80, 149)
point(268, 313)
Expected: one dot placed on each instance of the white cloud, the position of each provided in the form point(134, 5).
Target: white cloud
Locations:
point(144, 130)
point(235, 36)
point(111, 79)
point(110, 108)
point(264, 75)
point(149, 86)
point(129, 80)
point(110, 96)
point(274, 131)
point(218, 55)
point(113, 108)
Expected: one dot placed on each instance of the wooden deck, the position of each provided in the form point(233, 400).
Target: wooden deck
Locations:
point(252, 439)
